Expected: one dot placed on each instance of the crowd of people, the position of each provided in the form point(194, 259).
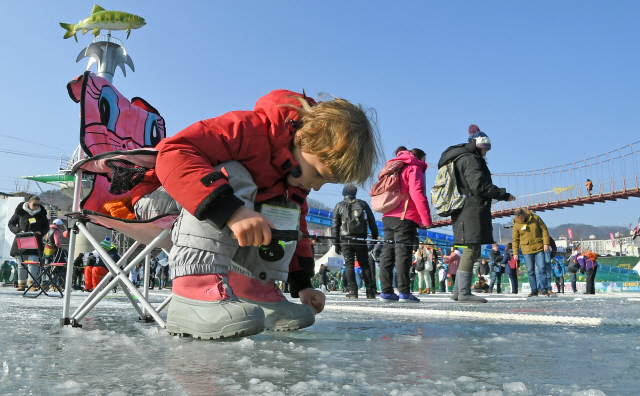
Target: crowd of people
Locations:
point(30, 219)
point(399, 265)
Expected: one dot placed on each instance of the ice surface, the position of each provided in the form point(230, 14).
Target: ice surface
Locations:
point(344, 353)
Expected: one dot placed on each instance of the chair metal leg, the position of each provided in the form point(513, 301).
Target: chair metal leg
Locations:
point(121, 276)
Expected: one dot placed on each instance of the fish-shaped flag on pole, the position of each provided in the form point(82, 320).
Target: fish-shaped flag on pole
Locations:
point(103, 19)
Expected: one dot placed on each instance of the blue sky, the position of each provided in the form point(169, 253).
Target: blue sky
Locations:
point(549, 82)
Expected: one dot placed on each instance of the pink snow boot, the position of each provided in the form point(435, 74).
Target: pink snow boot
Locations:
point(204, 306)
point(280, 314)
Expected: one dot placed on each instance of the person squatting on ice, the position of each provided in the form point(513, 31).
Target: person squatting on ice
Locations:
point(531, 235)
point(401, 224)
point(230, 174)
point(472, 224)
point(350, 219)
point(29, 216)
point(94, 271)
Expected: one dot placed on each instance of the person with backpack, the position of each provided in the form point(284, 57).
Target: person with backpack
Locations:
point(558, 272)
point(471, 218)
point(350, 220)
point(52, 241)
point(588, 264)
point(401, 220)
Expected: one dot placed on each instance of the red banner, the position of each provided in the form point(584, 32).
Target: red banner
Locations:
point(613, 239)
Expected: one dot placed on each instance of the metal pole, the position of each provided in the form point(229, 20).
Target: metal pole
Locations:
point(122, 277)
point(147, 266)
point(77, 191)
point(164, 303)
point(114, 271)
point(105, 280)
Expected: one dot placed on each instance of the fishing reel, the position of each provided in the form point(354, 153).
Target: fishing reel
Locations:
point(274, 251)
point(271, 252)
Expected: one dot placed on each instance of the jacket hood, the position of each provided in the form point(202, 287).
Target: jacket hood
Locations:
point(281, 117)
point(54, 226)
point(454, 152)
point(410, 159)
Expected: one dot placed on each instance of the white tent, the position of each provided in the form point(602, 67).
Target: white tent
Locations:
point(332, 259)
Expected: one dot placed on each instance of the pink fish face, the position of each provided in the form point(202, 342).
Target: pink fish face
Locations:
point(109, 122)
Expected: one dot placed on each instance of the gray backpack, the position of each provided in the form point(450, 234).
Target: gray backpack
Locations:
point(445, 196)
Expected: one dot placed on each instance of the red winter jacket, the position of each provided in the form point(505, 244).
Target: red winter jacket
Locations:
point(412, 182)
point(260, 140)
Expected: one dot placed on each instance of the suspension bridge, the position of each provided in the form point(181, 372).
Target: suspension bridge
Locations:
point(614, 175)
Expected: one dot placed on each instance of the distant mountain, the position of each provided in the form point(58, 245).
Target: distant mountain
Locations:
point(580, 231)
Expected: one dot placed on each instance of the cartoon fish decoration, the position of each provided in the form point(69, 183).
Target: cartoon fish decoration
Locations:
point(103, 19)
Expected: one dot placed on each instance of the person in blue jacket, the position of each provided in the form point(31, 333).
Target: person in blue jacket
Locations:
point(558, 272)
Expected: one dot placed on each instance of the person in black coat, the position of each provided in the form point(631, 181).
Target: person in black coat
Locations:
point(483, 268)
point(472, 224)
point(496, 269)
point(346, 215)
point(78, 271)
point(29, 216)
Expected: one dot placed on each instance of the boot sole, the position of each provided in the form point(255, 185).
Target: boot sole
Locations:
point(472, 301)
point(293, 325)
point(234, 330)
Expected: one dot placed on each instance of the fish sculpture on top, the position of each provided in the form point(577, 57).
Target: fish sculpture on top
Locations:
point(103, 19)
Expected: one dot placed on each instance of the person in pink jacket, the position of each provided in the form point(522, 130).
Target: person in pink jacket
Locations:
point(453, 261)
point(400, 226)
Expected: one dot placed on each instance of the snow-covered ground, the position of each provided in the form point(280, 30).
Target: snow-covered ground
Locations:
point(364, 352)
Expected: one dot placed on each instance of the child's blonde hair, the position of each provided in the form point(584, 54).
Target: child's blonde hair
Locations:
point(342, 136)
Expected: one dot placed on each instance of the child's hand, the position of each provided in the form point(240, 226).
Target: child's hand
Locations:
point(313, 298)
point(250, 228)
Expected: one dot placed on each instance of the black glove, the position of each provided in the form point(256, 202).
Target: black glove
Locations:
point(338, 249)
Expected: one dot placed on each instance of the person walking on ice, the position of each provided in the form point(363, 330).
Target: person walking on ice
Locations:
point(234, 175)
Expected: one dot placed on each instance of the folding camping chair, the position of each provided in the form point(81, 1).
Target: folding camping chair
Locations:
point(29, 241)
point(121, 133)
point(51, 273)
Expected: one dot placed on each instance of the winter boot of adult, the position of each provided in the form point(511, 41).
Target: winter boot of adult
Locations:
point(280, 314)
point(22, 286)
point(427, 291)
point(371, 293)
point(352, 294)
point(204, 306)
point(454, 293)
point(31, 286)
point(433, 291)
point(463, 279)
